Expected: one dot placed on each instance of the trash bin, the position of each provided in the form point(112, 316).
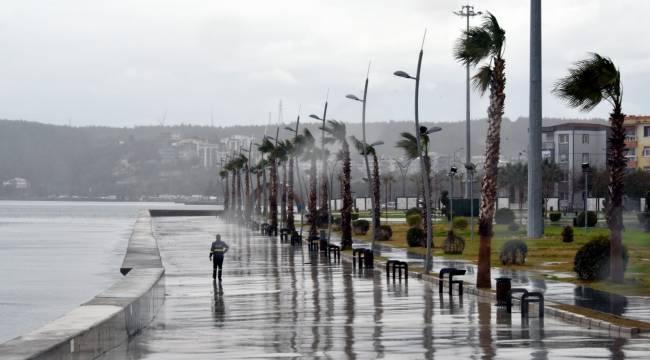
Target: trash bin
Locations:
point(503, 287)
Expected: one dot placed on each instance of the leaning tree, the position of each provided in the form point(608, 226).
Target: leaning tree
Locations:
point(480, 43)
point(305, 146)
point(369, 149)
point(588, 83)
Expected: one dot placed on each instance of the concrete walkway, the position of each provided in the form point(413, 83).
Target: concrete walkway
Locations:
point(278, 302)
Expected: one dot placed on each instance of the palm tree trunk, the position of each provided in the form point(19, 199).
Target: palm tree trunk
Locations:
point(324, 206)
point(239, 194)
point(247, 192)
point(290, 220)
point(489, 185)
point(273, 198)
point(376, 218)
point(313, 212)
point(283, 196)
point(226, 195)
point(265, 202)
point(233, 200)
point(428, 217)
point(617, 164)
point(346, 210)
point(258, 191)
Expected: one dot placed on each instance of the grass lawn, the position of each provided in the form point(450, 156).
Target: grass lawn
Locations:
point(548, 253)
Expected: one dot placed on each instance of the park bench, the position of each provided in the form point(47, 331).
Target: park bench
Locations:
point(313, 243)
point(272, 230)
point(264, 229)
point(362, 256)
point(529, 298)
point(451, 272)
point(296, 239)
point(334, 250)
point(397, 265)
point(511, 293)
point(284, 234)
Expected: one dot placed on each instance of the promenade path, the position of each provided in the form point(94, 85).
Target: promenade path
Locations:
point(279, 302)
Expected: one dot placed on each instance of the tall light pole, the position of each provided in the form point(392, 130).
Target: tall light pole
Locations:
point(470, 168)
point(467, 11)
point(586, 169)
point(423, 166)
point(535, 219)
point(375, 223)
point(452, 172)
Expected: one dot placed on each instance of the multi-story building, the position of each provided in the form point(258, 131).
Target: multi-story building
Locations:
point(234, 142)
point(570, 145)
point(637, 141)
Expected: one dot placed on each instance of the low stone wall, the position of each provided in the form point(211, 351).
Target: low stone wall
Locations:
point(109, 319)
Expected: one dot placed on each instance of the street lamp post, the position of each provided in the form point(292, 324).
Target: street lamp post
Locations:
point(452, 173)
point(423, 166)
point(586, 169)
point(375, 225)
point(535, 216)
point(467, 11)
point(470, 168)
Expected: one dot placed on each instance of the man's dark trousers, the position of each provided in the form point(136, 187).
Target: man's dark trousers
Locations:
point(217, 262)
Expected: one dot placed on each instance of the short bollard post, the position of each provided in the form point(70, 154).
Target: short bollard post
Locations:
point(503, 287)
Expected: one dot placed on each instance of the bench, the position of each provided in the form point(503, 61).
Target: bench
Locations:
point(451, 272)
point(397, 265)
point(272, 230)
point(362, 256)
point(511, 292)
point(529, 298)
point(264, 229)
point(296, 239)
point(335, 250)
point(313, 243)
point(284, 234)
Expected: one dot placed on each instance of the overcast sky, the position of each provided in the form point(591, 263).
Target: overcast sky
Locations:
point(125, 63)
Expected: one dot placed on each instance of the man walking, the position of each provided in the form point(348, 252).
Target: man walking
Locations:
point(217, 251)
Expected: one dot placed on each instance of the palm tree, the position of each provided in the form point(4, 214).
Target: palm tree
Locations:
point(514, 177)
point(247, 188)
point(239, 163)
point(408, 143)
point(589, 83)
point(374, 184)
point(306, 147)
point(551, 175)
point(283, 157)
point(338, 133)
point(272, 150)
point(486, 42)
point(290, 150)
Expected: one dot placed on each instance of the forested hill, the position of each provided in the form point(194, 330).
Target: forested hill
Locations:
point(126, 161)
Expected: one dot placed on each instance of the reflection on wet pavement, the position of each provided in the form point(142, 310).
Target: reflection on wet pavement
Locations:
point(279, 302)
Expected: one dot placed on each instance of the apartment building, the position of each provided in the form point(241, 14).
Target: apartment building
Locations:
point(637, 142)
point(570, 145)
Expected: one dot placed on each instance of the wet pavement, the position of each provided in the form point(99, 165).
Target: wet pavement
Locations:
point(632, 307)
point(280, 302)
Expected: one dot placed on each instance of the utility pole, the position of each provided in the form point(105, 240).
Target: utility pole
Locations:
point(468, 12)
point(535, 219)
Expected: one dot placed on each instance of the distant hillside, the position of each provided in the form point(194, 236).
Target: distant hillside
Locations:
point(126, 161)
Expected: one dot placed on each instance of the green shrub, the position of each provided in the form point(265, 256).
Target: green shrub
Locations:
point(412, 211)
point(592, 219)
point(415, 237)
point(555, 216)
point(513, 252)
point(453, 244)
point(592, 259)
point(567, 234)
point(460, 223)
point(385, 232)
point(513, 227)
point(360, 227)
point(414, 220)
point(504, 216)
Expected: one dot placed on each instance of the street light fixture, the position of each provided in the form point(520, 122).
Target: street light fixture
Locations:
point(423, 165)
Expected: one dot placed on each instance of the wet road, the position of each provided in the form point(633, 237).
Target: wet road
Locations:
point(278, 302)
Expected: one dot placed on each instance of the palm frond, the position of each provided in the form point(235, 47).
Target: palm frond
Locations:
point(497, 34)
point(266, 146)
point(358, 144)
point(408, 143)
point(589, 82)
point(473, 46)
point(481, 80)
point(336, 129)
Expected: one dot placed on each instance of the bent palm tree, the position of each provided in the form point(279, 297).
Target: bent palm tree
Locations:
point(272, 150)
point(338, 133)
point(290, 150)
point(374, 184)
point(306, 147)
point(589, 83)
point(486, 42)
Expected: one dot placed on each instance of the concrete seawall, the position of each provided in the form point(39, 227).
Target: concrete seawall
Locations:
point(109, 319)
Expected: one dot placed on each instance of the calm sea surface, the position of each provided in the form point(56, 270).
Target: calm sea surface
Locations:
point(55, 256)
